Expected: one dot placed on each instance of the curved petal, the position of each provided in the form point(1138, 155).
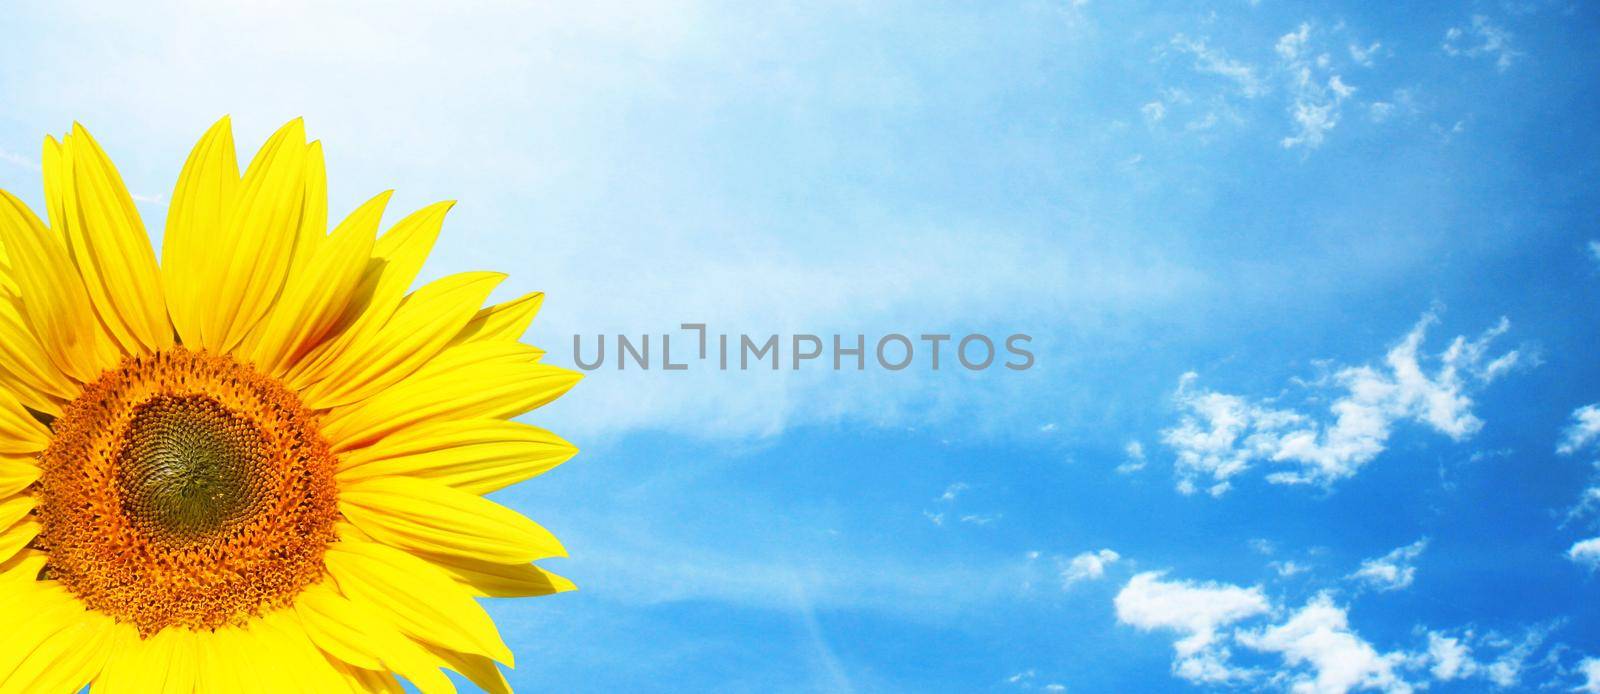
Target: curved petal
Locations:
point(17, 536)
point(66, 660)
point(25, 368)
point(322, 283)
point(482, 671)
point(242, 269)
point(485, 579)
point(54, 301)
point(331, 621)
point(202, 203)
point(473, 455)
point(397, 257)
point(421, 599)
point(477, 379)
point(421, 326)
point(108, 243)
point(423, 516)
point(507, 321)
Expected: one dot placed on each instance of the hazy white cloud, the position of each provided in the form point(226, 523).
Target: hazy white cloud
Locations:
point(1153, 111)
point(1584, 429)
point(1323, 655)
point(15, 159)
point(1594, 250)
point(953, 491)
point(1288, 568)
point(1391, 571)
point(1214, 61)
point(1219, 435)
point(1363, 55)
point(1088, 566)
point(1481, 38)
point(1317, 93)
point(1134, 459)
point(1196, 611)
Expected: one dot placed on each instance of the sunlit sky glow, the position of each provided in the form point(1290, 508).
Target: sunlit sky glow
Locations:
point(1314, 291)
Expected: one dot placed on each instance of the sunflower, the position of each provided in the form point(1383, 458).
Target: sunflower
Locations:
point(259, 465)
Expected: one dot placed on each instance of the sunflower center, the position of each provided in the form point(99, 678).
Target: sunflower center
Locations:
point(187, 468)
point(185, 489)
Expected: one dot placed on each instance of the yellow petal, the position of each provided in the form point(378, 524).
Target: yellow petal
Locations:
point(165, 663)
point(25, 368)
point(494, 580)
point(66, 660)
point(201, 205)
point(476, 379)
point(33, 611)
point(421, 599)
point(55, 303)
point(507, 321)
point(473, 455)
point(423, 516)
point(321, 283)
point(17, 536)
point(424, 322)
point(110, 247)
point(19, 431)
point(363, 636)
point(482, 671)
point(242, 267)
point(397, 257)
point(14, 508)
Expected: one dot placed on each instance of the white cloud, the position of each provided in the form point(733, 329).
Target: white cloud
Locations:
point(953, 491)
point(1391, 571)
point(1317, 93)
point(1590, 669)
point(1363, 55)
point(1154, 111)
point(1219, 435)
point(1196, 611)
point(980, 519)
point(1481, 38)
point(1594, 250)
point(1135, 460)
point(1215, 61)
point(1288, 568)
point(1324, 655)
point(1088, 566)
point(1585, 428)
point(15, 159)
point(1586, 552)
point(1451, 659)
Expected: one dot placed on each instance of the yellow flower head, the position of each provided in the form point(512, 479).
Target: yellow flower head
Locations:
point(258, 465)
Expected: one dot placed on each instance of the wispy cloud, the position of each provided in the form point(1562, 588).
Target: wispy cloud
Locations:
point(15, 159)
point(1134, 459)
point(1214, 61)
point(1481, 37)
point(1220, 435)
point(1392, 571)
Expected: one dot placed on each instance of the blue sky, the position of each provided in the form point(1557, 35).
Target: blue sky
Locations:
point(1301, 205)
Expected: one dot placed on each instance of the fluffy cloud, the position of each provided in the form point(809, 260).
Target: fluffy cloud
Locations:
point(1586, 552)
point(1584, 429)
point(1196, 611)
point(1088, 566)
point(1391, 571)
point(1324, 655)
point(1481, 38)
point(1450, 658)
point(1590, 669)
point(1317, 649)
point(1219, 435)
